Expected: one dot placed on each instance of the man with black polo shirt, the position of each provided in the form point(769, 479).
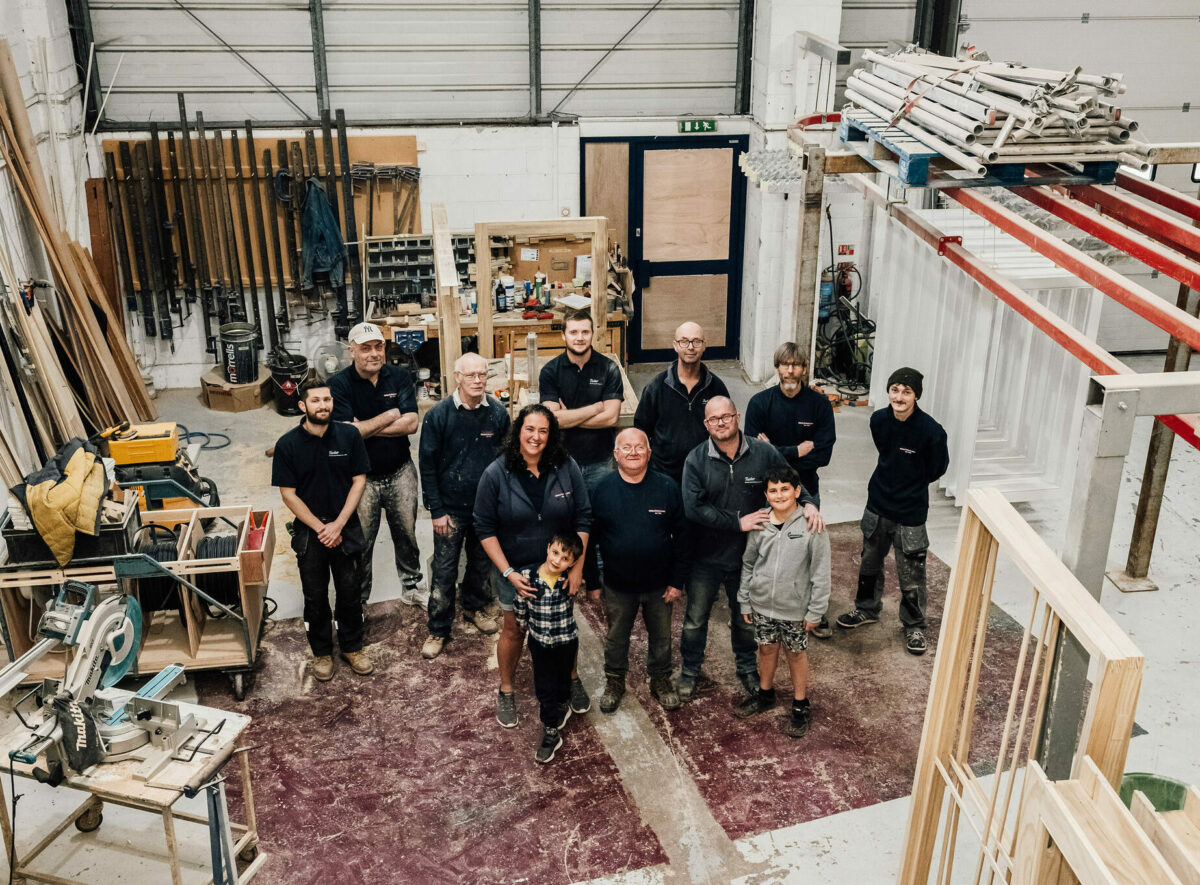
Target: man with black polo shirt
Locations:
point(798, 422)
point(584, 391)
point(320, 468)
point(671, 408)
point(378, 400)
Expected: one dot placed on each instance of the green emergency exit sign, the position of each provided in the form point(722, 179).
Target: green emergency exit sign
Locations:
point(697, 125)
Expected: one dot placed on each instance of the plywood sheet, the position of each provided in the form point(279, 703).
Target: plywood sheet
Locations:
point(685, 204)
point(669, 301)
point(606, 187)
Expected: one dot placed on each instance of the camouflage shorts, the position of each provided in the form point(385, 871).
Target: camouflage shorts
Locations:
point(768, 631)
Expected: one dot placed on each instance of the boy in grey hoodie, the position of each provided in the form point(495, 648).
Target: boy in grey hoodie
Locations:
point(784, 593)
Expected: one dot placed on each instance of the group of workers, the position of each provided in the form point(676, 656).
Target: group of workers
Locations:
point(557, 506)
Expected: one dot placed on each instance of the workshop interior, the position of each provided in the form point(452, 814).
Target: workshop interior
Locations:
point(209, 209)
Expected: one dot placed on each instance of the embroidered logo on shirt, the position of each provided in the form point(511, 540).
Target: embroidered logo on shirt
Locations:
point(487, 433)
point(595, 381)
point(656, 512)
point(805, 423)
point(334, 453)
point(392, 395)
point(908, 451)
point(562, 494)
point(750, 479)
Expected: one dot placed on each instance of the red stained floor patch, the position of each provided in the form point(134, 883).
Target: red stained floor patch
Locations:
point(405, 776)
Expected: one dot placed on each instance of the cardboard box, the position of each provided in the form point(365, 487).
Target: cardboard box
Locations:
point(221, 396)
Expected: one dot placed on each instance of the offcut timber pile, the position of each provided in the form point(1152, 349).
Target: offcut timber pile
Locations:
point(976, 111)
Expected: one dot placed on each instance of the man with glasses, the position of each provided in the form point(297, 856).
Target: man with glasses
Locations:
point(461, 436)
point(639, 526)
point(724, 497)
point(671, 409)
point(798, 421)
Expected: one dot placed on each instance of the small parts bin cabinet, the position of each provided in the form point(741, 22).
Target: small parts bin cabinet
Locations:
point(199, 632)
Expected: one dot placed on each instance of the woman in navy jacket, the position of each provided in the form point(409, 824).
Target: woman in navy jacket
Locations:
point(531, 491)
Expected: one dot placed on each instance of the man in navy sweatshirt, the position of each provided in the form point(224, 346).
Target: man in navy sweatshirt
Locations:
point(912, 454)
point(671, 408)
point(639, 526)
point(461, 436)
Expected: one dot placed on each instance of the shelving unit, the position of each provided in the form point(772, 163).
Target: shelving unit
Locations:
point(185, 635)
point(400, 269)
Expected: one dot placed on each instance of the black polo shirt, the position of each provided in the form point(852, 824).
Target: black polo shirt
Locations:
point(356, 398)
point(599, 379)
point(320, 468)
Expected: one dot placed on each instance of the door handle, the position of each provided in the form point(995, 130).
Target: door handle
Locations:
point(637, 231)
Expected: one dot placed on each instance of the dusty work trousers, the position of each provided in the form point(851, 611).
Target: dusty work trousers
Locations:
point(316, 563)
point(396, 495)
point(621, 610)
point(552, 665)
point(476, 588)
point(702, 590)
point(910, 543)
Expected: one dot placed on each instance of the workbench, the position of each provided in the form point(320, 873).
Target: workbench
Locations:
point(116, 783)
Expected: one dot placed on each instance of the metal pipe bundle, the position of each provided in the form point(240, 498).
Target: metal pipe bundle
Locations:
point(998, 112)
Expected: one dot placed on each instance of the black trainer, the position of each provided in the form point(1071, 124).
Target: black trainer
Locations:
point(914, 641)
point(796, 725)
point(580, 702)
point(856, 618)
point(759, 702)
point(551, 741)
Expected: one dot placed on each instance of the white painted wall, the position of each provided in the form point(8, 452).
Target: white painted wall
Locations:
point(780, 92)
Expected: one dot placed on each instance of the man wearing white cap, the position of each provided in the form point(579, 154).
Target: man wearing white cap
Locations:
point(378, 399)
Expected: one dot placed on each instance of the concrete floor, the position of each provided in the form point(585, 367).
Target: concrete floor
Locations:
point(862, 846)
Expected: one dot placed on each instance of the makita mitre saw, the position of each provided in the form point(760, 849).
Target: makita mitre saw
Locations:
point(84, 719)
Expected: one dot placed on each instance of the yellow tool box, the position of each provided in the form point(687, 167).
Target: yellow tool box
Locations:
point(144, 443)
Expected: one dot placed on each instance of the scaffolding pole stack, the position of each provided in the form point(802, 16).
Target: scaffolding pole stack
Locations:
point(976, 112)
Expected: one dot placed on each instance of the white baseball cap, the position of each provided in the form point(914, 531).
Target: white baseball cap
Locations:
point(364, 332)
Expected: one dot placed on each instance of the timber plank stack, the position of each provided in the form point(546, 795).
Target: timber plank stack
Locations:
point(95, 383)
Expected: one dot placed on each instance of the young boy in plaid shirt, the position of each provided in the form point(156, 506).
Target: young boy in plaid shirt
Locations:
point(549, 619)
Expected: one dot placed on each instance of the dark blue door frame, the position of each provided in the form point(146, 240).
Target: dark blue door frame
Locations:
point(731, 266)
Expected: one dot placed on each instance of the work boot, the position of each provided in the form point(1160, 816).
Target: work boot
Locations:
point(484, 623)
point(685, 686)
point(760, 702)
point(322, 668)
point(750, 681)
point(433, 647)
point(580, 702)
point(506, 709)
point(614, 691)
point(664, 692)
point(823, 630)
point(360, 662)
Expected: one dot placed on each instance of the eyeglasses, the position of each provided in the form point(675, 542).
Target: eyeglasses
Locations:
point(721, 419)
point(474, 376)
point(690, 343)
point(632, 450)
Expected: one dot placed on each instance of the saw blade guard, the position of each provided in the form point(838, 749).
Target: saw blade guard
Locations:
point(124, 645)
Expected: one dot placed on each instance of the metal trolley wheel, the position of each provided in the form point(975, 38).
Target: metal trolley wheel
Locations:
point(91, 819)
point(242, 682)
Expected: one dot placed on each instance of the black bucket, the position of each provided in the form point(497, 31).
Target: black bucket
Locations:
point(239, 353)
point(288, 371)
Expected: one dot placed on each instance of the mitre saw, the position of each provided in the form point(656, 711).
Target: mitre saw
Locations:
point(84, 719)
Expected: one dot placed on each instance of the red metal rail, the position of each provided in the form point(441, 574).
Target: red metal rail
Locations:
point(1164, 196)
point(1096, 358)
point(1149, 220)
point(1145, 249)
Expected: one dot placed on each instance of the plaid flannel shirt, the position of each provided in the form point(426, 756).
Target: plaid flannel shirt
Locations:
point(550, 618)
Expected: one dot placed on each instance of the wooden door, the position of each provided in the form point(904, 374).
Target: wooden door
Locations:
point(681, 202)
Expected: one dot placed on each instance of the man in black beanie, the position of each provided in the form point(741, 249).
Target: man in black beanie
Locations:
point(912, 454)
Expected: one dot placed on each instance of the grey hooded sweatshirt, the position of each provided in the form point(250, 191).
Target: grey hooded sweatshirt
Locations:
point(785, 572)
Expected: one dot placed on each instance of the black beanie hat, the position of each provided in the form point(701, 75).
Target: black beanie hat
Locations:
point(908, 377)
